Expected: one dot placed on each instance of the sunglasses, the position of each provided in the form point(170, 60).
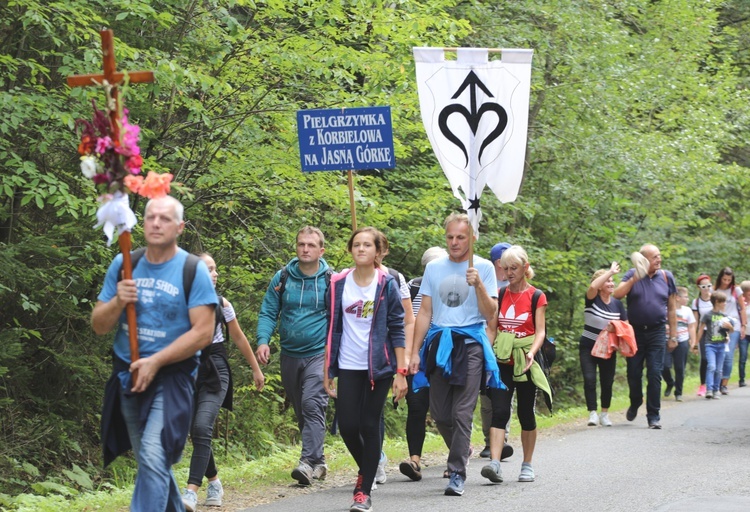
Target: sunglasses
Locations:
point(705, 286)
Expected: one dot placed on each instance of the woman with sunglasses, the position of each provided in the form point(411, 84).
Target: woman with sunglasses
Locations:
point(734, 309)
point(700, 306)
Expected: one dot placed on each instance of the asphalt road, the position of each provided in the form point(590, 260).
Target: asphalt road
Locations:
point(699, 461)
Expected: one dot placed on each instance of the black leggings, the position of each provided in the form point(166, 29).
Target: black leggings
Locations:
point(607, 368)
point(360, 407)
point(419, 404)
point(501, 401)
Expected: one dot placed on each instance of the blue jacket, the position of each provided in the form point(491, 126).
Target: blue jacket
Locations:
point(300, 313)
point(387, 326)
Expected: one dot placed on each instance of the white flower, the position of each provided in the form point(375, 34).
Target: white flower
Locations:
point(88, 166)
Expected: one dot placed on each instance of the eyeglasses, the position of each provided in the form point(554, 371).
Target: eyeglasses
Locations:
point(705, 286)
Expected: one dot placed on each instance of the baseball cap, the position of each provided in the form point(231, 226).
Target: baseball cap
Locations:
point(497, 251)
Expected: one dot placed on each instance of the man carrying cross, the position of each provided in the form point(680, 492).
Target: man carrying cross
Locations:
point(151, 412)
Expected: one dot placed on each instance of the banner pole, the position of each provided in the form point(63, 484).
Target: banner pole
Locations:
point(471, 246)
point(352, 208)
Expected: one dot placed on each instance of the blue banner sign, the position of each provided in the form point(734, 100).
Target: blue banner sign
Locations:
point(345, 139)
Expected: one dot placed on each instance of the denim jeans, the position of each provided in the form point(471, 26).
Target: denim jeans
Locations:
point(678, 359)
point(743, 356)
point(715, 357)
point(734, 338)
point(207, 405)
point(155, 485)
point(651, 347)
point(607, 367)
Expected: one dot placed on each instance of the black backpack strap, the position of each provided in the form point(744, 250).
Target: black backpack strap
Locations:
point(327, 292)
point(534, 301)
point(414, 286)
point(221, 319)
point(188, 274)
point(282, 283)
point(135, 257)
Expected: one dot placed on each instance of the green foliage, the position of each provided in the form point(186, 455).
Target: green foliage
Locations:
point(638, 121)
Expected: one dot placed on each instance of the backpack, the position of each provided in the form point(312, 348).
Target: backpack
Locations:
point(188, 270)
point(414, 286)
point(285, 276)
point(548, 352)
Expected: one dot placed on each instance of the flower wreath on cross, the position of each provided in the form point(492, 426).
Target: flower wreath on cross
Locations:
point(115, 166)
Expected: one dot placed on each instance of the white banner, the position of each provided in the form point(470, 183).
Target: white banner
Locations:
point(476, 114)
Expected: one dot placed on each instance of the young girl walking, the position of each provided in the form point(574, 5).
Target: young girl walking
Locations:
point(365, 350)
point(213, 390)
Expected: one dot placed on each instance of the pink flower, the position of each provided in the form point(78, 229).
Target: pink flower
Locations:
point(103, 144)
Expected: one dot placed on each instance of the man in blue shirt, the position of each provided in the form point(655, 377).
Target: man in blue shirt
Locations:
point(461, 302)
point(156, 407)
point(652, 302)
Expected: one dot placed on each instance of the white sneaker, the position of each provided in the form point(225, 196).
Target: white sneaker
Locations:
point(214, 493)
point(593, 419)
point(190, 500)
point(604, 420)
point(320, 471)
point(380, 476)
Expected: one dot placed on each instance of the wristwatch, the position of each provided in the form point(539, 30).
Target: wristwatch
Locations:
point(403, 371)
point(673, 338)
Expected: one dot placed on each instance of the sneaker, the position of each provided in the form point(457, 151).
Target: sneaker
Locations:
point(716, 395)
point(362, 503)
point(654, 425)
point(723, 390)
point(214, 493)
point(507, 452)
point(678, 398)
point(492, 472)
point(593, 419)
point(742, 384)
point(485, 454)
point(709, 395)
point(455, 485)
point(320, 471)
point(303, 473)
point(702, 390)
point(631, 413)
point(411, 469)
point(380, 476)
point(190, 500)
point(668, 391)
point(604, 420)
point(527, 473)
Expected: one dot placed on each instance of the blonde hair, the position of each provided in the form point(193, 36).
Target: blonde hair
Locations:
point(516, 254)
point(745, 286)
point(598, 273)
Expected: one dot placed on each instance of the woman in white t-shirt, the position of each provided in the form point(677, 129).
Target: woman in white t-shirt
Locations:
point(213, 391)
point(700, 306)
point(734, 309)
point(365, 350)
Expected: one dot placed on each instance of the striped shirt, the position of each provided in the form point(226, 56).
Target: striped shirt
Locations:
point(596, 317)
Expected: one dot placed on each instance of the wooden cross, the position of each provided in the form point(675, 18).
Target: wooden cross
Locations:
point(113, 78)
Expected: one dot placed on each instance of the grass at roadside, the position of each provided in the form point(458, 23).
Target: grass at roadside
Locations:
point(239, 473)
